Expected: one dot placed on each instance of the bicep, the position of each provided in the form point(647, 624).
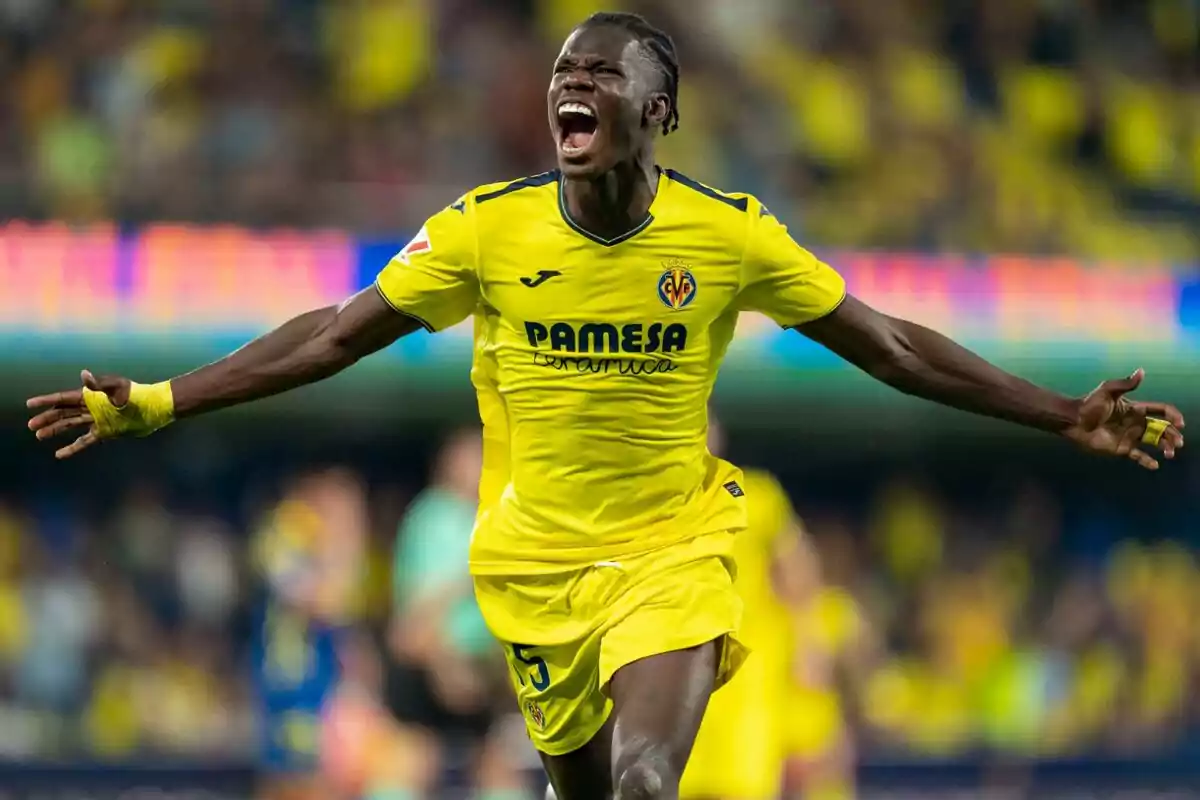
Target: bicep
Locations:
point(858, 333)
point(365, 323)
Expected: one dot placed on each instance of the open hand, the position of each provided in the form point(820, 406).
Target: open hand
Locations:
point(67, 411)
point(1111, 424)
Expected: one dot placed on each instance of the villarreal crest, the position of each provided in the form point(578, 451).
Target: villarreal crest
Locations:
point(677, 287)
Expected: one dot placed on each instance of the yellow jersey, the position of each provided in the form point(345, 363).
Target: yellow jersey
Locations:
point(594, 358)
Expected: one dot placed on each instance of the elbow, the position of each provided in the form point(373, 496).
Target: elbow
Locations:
point(335, 354)
point(895, 363)
point(333, 348)
point(896, 370)
point(340, 350)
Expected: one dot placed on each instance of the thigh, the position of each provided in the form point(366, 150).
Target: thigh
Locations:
point(584, 773)
point(672, 644)
point(658, 703)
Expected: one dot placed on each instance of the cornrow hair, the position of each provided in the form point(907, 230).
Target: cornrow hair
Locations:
point(660, 45)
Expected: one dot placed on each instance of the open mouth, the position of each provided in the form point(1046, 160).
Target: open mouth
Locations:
point(577, 127)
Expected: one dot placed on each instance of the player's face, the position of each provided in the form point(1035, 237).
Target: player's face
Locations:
point(604, 101)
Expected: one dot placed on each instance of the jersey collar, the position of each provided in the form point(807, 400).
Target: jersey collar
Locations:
point(641, 226)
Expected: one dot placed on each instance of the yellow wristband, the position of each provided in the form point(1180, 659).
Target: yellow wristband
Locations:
point(151, 407)
point(1155, 428)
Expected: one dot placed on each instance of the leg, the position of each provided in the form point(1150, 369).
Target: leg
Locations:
point(617, 710)
point(641, 751)
point(658, 703)
point(586, 773)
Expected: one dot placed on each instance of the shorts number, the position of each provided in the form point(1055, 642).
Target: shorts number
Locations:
point(541, 676)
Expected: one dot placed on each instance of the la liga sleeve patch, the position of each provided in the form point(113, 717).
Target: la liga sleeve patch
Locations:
point(419, 244)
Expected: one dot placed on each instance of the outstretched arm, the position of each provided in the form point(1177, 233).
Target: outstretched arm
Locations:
point(431, 284)
point(926, 364)
point(306, 349)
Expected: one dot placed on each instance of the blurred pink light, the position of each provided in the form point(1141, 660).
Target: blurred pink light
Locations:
point(55, 277)
point(213, 278)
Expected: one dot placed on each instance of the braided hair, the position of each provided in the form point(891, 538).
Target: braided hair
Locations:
point(660, 47)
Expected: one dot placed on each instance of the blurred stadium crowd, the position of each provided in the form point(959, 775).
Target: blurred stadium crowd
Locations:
point(155, 605)
point(1004, 617)
point(1036, 126)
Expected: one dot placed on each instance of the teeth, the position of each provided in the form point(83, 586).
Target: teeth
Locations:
point(575, 108)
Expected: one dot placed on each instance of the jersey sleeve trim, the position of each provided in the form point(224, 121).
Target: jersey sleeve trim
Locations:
point(834, 307)
point(401, 311)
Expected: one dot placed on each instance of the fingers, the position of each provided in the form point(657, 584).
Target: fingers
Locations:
point(82, 443)
point(1143, 459)
point(109, 384)
point(53, 422)
point(53, 415)
point(1120, 386)
point(64, 425)
point(1171, 438)
point(1127, 442)
point(1161, 410)
point(67, 411)
point(73, 399)
point(1127, 446)
point(1170, 441)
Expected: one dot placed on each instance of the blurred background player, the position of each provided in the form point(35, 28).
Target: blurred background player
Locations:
point(741, 750)
point(449, 681)
point(364, 755)
point(310, 550)
point(831, 656)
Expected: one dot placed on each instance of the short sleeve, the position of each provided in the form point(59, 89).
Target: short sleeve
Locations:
point(783, 280)
point(433, 279)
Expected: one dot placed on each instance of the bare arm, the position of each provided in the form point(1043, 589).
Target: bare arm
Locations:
point(306, 349)
point(924, 363)
point(921, 362)
point(303, 350)
point(436, 288)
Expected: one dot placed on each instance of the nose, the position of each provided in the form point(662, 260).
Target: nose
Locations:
point(579, 80)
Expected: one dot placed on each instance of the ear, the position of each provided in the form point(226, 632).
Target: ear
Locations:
point(656, 110)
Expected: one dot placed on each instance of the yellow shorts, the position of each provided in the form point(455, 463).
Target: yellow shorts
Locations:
point(741, 749)
point(566, 634)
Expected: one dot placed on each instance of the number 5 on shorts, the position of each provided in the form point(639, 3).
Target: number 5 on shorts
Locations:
point(540, 677)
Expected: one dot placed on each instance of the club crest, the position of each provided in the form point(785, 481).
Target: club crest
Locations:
point(534, 712)
point(677, 286)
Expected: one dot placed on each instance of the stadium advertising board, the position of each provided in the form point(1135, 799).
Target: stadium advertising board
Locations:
point(168, 295)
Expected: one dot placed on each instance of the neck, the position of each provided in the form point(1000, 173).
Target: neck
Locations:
point(615, 202)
